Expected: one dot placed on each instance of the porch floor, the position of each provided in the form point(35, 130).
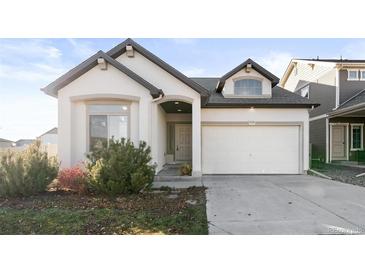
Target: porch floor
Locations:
point(170, 170)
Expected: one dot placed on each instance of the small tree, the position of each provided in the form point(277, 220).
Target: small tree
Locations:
point(27, 172)
point(120, 168)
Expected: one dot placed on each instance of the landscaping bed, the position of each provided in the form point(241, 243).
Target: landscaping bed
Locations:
point(341, 173)
point(162, 211)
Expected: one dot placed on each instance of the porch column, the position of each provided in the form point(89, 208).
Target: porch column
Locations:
point(196, 138)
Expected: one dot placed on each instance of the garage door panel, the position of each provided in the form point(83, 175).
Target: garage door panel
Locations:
point(250, 149)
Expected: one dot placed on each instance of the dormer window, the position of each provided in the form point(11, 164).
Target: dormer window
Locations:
point(248, 87)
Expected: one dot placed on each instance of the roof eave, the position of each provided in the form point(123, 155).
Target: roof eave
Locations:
point(267, 74)
point(90, 63)
point(121, 48)
point(223, 105)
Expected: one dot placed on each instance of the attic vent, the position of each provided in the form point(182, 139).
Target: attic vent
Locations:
point(248, 67)
point(102, 64)
point(129, 51)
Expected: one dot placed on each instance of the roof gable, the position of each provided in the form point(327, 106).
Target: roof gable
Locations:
point(88, 64)
point(51, 131)
point(274, 80)
point(121, 49)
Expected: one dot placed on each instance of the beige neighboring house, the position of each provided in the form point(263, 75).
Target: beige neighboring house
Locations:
point(240, 123)
point(6, 143)
point(23, 143)
point(49, 137)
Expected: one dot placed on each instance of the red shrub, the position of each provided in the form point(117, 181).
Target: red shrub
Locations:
point(73, 179)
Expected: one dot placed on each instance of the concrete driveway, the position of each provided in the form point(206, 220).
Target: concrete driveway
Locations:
point(283, 204)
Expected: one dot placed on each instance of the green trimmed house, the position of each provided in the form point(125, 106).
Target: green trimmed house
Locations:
point(337, 125)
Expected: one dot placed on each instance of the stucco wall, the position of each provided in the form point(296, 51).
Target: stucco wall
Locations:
point(97, 84)
point(173, 89)
point(263, 115)
point(147, 119)
point(161, 137)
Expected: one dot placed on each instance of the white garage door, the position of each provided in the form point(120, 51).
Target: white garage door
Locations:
point(250, 149)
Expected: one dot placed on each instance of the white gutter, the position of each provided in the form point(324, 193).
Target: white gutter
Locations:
point(342, 111)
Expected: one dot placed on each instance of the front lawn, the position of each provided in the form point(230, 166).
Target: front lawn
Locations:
point(156, 212)
point(341, 173)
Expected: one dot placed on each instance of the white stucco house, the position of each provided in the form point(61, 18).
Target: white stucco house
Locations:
point(240, 123)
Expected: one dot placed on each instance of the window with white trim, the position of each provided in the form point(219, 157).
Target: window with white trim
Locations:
point(352, 74)
point(107, 121)
point(357, 136)
point(362, 75)
point(248, 87)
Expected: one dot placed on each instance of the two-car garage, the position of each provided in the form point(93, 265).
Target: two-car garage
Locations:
point(251, 149)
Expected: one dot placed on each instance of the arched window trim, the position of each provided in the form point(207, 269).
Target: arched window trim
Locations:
point(247, 78)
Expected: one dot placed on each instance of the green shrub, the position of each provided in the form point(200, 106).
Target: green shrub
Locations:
point(27, 172)
point(185, 170)
point(120, 168)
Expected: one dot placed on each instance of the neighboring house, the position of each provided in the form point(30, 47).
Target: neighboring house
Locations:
point(49, 137)
point(240, 123)
point(24, 142)
point(6, 143)
point(337, 126)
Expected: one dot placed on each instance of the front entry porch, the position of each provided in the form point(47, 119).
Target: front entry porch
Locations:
point(346, 138)
point(171, 169)
point(178, 137)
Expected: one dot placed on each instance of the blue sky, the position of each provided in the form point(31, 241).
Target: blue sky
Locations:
point(26, 65)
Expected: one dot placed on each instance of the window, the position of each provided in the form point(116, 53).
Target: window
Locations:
point(107, 122)
point(305, 92)
point(248, 87)
point(352, 75)
point(362, 75)
point(356, 136)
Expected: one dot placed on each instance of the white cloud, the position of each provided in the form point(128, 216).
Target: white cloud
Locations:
point(31, 72)
point(30, 48)
point(275, 62)
point(193, 72)
point(82, 49)
point(33, 60)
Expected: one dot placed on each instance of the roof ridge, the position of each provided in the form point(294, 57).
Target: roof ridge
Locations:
point(274, 79)
point(120, 48)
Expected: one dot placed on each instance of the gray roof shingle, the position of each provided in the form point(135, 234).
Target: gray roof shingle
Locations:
point(354, 100)
point(281, 98)
point(5, 140)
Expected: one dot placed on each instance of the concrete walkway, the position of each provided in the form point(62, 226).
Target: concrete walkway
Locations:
point(283, 204)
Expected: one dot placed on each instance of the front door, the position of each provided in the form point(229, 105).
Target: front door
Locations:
point(338, 142)
point(182, 142)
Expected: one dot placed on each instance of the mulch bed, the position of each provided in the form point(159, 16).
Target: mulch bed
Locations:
point(167, 211)
point(343, 174)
